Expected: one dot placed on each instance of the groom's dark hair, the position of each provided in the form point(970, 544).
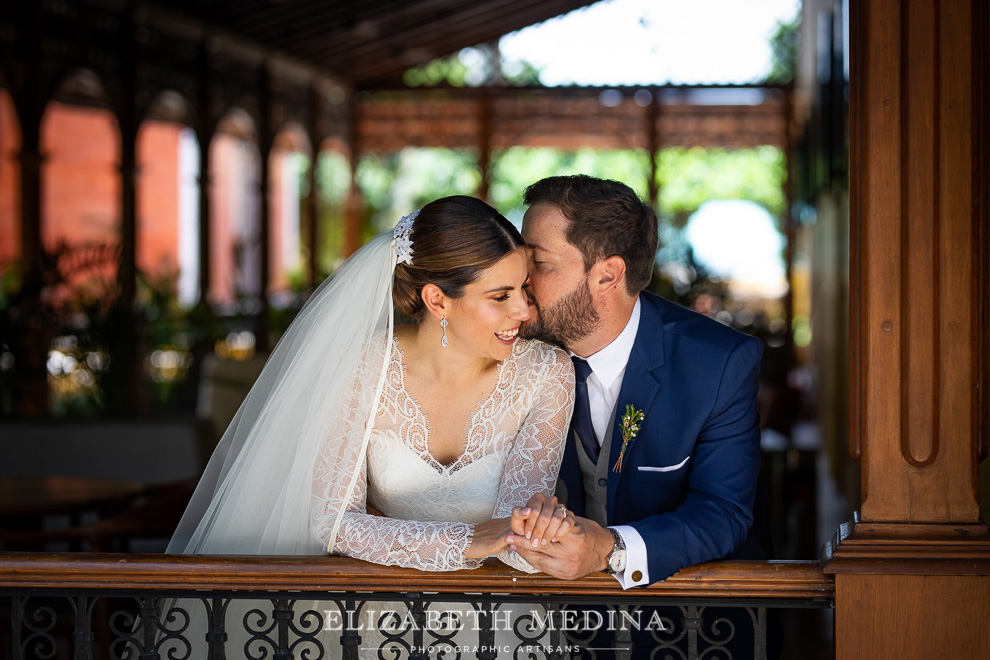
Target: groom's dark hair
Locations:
point(606, 218)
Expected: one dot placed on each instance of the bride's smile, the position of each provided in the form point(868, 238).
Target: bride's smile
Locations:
point(507, 336)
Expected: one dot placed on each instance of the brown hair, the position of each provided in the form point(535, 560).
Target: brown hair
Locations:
point(606, 219)
point(454, 240)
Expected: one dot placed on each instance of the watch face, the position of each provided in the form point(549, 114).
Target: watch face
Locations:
point(617, 562)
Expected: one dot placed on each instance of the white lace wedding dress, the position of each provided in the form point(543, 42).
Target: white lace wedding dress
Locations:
point(514, 445)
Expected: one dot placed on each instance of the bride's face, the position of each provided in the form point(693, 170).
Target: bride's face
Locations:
point(486, 319)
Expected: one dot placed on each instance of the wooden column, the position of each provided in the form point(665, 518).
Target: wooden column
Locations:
point(204, 133)
point(484, 142)
point(653, 135)
point(313, 201)
point(355, 205)
point(127, 116)
point(125, 381)
point(913, 572)
point(920, 272)
point(790, 226)
point(30, 370)
point(266, 141)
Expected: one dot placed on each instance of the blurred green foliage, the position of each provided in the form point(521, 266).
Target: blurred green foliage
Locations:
point(333, 182)
point(472, 67)
point(690, 177)
point(515, 168)
point(784, 51)
point(394, 185)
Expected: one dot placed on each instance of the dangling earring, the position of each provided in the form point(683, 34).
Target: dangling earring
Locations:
point(443, 326)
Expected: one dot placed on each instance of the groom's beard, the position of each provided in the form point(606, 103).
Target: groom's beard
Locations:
point(569, 320)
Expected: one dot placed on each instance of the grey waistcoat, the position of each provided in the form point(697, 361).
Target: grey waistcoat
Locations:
point(594, 477)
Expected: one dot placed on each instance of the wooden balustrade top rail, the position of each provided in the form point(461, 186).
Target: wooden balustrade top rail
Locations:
point(91, 571)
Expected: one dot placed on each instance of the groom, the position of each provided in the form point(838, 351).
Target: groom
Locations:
point(681, 490)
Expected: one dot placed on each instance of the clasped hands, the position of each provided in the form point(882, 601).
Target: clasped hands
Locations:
point(548, 536)
point(540, 521)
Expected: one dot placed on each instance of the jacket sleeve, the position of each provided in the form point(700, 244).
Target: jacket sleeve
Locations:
point(716, 514)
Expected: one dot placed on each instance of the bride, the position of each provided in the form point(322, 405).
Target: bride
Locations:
point(409, 445)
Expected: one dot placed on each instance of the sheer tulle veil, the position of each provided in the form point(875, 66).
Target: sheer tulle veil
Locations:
point(255, 494)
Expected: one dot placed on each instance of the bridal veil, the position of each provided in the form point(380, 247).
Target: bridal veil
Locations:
point(254, 496)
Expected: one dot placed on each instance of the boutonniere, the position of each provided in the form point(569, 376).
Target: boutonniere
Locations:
point(630, 427)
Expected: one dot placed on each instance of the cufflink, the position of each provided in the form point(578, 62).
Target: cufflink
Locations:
point(637, 576)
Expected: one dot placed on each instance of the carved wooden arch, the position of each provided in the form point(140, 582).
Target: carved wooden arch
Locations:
point(6, 75)
point(234, 86)
point(186, 115)
point(65, 73)
point(5, 86)
point(167, 63)
point(216, 122)
point(88, 38)
point(291, 102)
point(238, 122)
point(17, 99)
point(293, 135)
point(332, 114)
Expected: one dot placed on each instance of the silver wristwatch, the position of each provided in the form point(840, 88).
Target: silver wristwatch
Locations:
point(616, 560)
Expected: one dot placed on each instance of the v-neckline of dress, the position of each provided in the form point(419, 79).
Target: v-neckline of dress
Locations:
point(427, 454)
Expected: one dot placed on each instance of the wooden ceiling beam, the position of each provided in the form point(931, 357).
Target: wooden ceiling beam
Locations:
point(364, 42)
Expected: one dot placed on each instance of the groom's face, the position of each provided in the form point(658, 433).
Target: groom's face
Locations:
point(559, 285)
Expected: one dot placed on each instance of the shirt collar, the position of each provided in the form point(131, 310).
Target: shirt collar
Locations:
point(609, 363)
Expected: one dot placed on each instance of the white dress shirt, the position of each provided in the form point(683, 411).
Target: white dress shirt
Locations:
point(608, 366)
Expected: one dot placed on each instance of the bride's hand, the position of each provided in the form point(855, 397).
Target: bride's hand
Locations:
point(543, 520)
point(488, 538)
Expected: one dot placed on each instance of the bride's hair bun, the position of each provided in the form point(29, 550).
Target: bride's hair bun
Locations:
point(454, 239)
point(405, 296)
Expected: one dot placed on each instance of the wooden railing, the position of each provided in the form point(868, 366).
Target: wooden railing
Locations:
point(32, 585)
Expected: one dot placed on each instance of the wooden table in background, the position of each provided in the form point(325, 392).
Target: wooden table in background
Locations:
point(24, 498)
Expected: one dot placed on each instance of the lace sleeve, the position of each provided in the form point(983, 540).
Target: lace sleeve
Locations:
point(535, 458)
point(428, 546)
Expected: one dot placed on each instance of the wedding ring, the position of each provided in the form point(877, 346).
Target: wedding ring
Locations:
point(564, 509)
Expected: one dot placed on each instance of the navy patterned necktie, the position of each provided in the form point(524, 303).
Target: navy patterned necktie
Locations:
point(582, 409)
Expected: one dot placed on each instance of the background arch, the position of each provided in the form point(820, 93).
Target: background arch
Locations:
point(167, 155)
point(10, 181)
point(289, 162)
point(235, 215)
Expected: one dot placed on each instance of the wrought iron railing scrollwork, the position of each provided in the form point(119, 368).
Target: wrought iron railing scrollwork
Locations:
point(37, 629)
point(90, 607)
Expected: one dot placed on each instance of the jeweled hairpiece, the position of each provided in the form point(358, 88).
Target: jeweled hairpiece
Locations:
point(403, 244)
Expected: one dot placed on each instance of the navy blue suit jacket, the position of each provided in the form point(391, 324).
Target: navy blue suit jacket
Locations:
point(696, 382)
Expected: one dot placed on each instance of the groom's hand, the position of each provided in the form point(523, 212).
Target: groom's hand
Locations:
point(583, 551)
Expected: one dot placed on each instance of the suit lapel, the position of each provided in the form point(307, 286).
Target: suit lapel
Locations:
point(640, 386)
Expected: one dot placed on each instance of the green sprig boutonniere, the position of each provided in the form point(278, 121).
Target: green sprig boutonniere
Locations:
point(630, 427)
